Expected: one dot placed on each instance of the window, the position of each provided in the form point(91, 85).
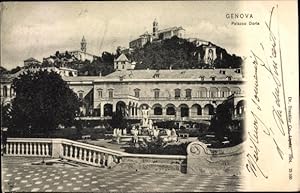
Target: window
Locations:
point(177, 93)
point(188, 93)
point(201, 78)
point(171, 111)
point(157, 111)
point(156, 93)
point(213, 78)
point(213, 92)
point(80, 95)
point(228, 77)
point(110, 93)
point(137, 93)
point(100, 93)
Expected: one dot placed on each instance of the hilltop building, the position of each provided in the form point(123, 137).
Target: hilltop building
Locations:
point(31, 62)
point(122, 63)
point(82, 54)
point(157, 35)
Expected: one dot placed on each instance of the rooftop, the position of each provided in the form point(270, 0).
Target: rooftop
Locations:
point(31, 60)
point(170, 29)
point(176, 74)
point(122, 57)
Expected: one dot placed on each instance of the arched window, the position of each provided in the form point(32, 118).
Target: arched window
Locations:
point(224, 92)
point(108, 110)
point(213, 92)
point(170, 109)
point(235, 90)
point(208, 109)
point(157, 111)
point(196, 110)
point(202, 92)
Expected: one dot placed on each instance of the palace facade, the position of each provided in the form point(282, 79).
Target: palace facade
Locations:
point(180, 95)
point(167, 94)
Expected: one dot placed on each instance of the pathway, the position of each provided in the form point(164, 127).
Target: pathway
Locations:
point(19, 176)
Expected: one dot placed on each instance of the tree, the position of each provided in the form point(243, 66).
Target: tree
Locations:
point(3, 70)
point(118, 120)
point(43, 101)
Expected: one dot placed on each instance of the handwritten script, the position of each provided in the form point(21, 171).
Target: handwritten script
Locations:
point(267, 60)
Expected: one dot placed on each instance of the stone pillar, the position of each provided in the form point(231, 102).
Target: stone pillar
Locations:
point(178, 112)
point(164, 111)
point(190, 112)
point(101, 110)
point(57, 148)
point(195, 154)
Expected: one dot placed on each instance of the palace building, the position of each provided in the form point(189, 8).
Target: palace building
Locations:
point(180, 95)
point(168, 94)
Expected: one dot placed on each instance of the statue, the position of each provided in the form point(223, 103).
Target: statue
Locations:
point(155, 133)
point(145, 116)
point(173, 135)
point(150, 124)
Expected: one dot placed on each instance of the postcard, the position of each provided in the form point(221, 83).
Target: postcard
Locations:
point(149, 96)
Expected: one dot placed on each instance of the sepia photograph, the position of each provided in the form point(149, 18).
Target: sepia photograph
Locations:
point(147, 96)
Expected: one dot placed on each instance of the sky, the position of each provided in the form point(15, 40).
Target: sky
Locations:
point(39, 29)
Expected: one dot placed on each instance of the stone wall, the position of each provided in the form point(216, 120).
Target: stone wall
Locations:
point(157, 163)
point(208, 161)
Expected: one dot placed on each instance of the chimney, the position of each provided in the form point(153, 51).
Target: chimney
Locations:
point(100, 74)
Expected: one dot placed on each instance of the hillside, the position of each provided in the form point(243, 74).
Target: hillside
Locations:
point(179, 54)
point(175, 53)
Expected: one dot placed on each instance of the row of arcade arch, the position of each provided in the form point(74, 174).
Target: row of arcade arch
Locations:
point(183, 110)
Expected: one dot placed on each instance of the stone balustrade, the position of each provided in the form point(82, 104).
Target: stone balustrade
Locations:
point(89, 154)
point(29, 147)
point(63, 148)
point(199, 159)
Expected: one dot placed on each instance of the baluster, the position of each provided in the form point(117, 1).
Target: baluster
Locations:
point(23, 150)
point(80, 153)
point(64, 150)
point(103, 159)
point(34, 148)
point(7, 148)
point(14, 145)
point(71, 151)
point(99, 158)
point(75, 152)
point(84, 154)
point(26, 148)
point(94, 157)
point(109, 160)
point(42, 149)
point(90, 156)
point(47, 148)
point(38, 146)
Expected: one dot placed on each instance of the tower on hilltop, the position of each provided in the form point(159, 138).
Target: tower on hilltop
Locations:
point(155, 28)
point(83, 44)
